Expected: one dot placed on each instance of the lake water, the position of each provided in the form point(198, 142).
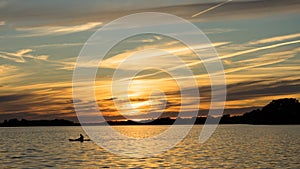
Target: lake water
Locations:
point(231, 146)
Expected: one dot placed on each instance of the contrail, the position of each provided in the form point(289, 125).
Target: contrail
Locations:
point(211, 8)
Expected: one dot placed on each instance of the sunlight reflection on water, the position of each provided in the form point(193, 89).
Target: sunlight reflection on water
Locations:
point(231, 146)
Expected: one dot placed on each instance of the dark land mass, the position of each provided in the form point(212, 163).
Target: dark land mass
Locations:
point(23, 122)
point(281, 111)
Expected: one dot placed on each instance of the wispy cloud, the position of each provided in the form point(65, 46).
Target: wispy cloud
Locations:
point(178, 50)
point(218, 30)
point(58, 45)
point(259, 49)
point(20, 55)
point(10, 74)
point(275, 39)
point(264, 60)
point(287, 53)
point(57, 30)
point(35, 105)
point(4, 69)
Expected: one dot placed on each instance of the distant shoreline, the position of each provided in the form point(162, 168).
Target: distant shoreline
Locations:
point(225, 120)
point(155, 125)
point(278, 112)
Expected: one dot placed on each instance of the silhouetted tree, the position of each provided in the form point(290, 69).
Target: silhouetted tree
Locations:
point(281, 111)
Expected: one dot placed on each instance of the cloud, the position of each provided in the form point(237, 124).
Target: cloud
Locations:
point(20, 55)
point(250, 91)
point(58, 45)
point(17, 56)
point(36, 101)
point(257, 62)
point(259, 49)
point(275, 39)
point(5, 69)
point(218, 30)
point(253, 93)
point(287, 53)
point(2, 23)
point(171, 47)
point(10, 74)
point(57, 30)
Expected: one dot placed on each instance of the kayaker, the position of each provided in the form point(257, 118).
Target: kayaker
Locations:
point(81, 138)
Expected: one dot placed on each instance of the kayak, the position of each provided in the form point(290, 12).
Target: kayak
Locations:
point(79, 140)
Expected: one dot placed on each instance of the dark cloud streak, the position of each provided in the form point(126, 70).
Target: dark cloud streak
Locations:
point(47, 13)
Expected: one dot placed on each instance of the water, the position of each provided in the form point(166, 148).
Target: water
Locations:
point(231, 146)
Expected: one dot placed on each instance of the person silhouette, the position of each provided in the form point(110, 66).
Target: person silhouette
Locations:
point(81, 138)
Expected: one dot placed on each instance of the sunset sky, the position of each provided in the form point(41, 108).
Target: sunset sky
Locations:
point(257, 41)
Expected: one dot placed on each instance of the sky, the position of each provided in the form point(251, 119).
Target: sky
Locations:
point(258, 43)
